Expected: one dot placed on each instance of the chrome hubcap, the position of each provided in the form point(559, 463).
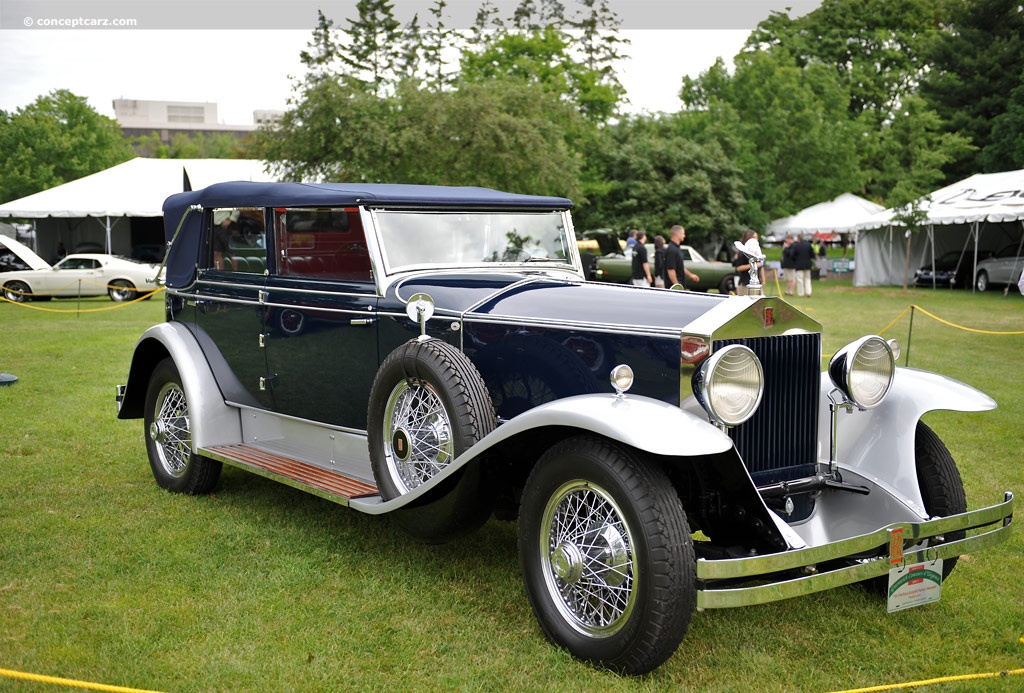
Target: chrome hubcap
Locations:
point(588, 559)
point(418, 434)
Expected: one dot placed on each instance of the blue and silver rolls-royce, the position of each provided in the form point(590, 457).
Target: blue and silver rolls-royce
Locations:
point(437, 354)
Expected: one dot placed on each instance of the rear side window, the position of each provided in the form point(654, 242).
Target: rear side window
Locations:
point(238, 240)
point(321, 244)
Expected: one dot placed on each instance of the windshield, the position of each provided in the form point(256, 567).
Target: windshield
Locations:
point(471, 239)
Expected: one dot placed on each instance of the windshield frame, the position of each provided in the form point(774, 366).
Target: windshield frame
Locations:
point(382, 221)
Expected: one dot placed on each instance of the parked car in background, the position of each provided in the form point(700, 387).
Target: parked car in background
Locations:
point(436, 354)
point(15, 256)
point(615, 264)
point(954, 268)
point(82, 274)
point(1001, 269)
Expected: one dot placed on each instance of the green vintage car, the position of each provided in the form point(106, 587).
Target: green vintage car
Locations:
point(614, 264)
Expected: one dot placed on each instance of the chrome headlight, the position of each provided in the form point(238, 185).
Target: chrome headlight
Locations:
point(863, 370)
point(729, 385)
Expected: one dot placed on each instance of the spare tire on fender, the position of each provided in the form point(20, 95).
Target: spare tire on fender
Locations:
point(427, 406)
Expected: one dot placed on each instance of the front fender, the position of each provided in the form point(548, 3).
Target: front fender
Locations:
point(211, 421)
point(639, 422)
point(879, 443)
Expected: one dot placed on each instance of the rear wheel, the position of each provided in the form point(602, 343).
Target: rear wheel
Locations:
point(606, 555)
point(121, 290)
point(176, 467)
point(728, 284)
point(16, 291)
point(982, 283)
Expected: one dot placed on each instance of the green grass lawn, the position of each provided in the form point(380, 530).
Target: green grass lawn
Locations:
point(106, 578)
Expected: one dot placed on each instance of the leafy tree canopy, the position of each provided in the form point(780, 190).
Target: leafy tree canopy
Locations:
point(56, 139)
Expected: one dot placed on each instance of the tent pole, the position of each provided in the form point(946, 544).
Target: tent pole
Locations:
point(931, 241)
point(108, 235)
point(974, 277)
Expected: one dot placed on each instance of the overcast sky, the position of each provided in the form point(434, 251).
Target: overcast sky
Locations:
point(251, 68)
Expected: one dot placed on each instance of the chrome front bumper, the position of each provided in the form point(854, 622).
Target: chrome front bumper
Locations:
point(736, 582)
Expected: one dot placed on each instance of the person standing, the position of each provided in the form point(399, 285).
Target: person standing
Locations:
point(803, 260)
point(659, 261)
point(788, 265)
point(675, 265)
point(641, 265)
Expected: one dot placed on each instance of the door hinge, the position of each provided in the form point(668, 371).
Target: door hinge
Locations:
point(267, 383)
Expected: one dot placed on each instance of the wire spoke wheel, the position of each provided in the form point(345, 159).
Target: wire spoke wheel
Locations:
point(175, 465)
point(418, 440)
point(170, 430)
point(587, 558)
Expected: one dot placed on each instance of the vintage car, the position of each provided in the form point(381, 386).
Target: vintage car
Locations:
point(82, 274)
point(615, 264)
point(1000, 269)
point(436, 354)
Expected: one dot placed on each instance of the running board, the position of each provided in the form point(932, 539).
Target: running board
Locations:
point(321, 482)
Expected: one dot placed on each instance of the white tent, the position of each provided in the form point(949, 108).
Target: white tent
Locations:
point(839, 215)
point(982, 213)
point(132, 190)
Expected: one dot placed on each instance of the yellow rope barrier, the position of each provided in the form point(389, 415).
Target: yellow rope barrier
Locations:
point(931, 682)
point(120, 304)
point(961, 327)
point(38, 678)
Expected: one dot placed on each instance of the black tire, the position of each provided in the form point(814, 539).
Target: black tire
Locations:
point(982, 282)
point(728, 284)
point(121, 290)
point(17, 292)
point(427, 406)
point(941, 486)
point(176, 467)
point(638, 555)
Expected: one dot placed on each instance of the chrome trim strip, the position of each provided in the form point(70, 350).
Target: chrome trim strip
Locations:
point(645, 330)
point(758, 567)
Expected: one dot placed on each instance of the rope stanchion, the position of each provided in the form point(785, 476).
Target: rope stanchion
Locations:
point(39, 678)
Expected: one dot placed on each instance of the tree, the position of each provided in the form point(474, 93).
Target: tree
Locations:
point(372, 50)
point(215, 145)
point(874, 46)
point(56, 139)
point(543, 58)
point(1006, 151)
point(657, 177)
point(436, 38)
point(976, 66)
point(786, 127)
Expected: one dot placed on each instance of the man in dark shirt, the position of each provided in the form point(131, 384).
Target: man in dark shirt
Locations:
point(803, 261)
point(641, 265)
point(675, 265)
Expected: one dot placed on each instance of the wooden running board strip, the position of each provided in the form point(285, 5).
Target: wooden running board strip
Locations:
point(317, 480)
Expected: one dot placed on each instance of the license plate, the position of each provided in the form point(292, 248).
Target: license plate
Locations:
point(914, 585)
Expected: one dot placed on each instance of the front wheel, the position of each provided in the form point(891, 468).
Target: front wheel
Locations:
point(17, 292)
point(606, 555)
point(121, 290)
point(176, 467)
point(982, 283)
point(941, 486)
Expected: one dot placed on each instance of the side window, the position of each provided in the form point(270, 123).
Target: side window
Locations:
point(238, 240)
point(79, 263)
point(322, 244)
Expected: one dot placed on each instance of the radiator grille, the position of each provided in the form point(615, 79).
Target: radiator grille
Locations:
point(780, 441)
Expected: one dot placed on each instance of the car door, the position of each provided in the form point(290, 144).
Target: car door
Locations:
point(321, 328)
point(74, 276)
point(230, 310)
